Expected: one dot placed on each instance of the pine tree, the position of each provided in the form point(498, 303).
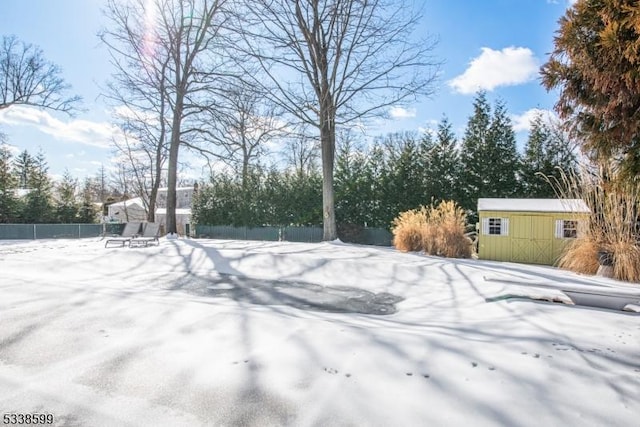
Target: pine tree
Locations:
point(375, 181)
point(405, 175)
point(489, 157)
point(595, 66)
point(505, 161)
point(475, 154)
point(88, 211)
point(67, 208)
point(8, 183)
point(23, 166)
point(561, 151)
point(38, 207)
point(427, 184)
point(353, 192)
point(547, 153)
point(445, 164)
point(306, 208)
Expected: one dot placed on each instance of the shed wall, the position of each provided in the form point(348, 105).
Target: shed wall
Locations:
point(531, 237)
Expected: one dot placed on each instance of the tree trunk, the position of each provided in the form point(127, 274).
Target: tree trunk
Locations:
point(171, 185)
point(172, 177)
point(327, 139)
point(153, 196)
point(245, 172)
point(151, 215)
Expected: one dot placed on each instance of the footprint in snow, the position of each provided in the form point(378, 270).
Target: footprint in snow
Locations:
point(474, 364)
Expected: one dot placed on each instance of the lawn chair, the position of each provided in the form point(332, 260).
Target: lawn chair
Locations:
point(131, 230)
point(150, 234)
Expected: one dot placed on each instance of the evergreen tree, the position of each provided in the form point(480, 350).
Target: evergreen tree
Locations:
point(475, 155)
point(24, 165)
point(8, 184)
point(595, 66)
point(88, 211)
point(38, 207)
point(444, 170)
point(489, 157)
point(67, 208)
point(306, 203)
point(427, 185)
point(505, 163)
point(405, 188)
point(353, 192)
point(535, 161)
point(274, 198)
point(546, 154)
point(561, 151)
point(375, 182)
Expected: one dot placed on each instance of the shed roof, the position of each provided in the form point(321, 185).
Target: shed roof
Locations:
point(128, 203)
point(534, 205)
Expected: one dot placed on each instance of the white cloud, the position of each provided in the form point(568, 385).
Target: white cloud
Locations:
point(97, 134)
point(74, 155)
point(493, 68)
point(402, 113)
point(13, 150)
point(569, 2)
point(125, 112)
point(431, 127)
point(522, 122)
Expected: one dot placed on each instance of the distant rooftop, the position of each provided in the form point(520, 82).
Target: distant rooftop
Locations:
point(533, 205)
point(129, 202)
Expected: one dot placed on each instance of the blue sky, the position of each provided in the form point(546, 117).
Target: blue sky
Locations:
point(495, 45)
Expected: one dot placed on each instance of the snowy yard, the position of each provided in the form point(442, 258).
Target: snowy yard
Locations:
point(206, 332)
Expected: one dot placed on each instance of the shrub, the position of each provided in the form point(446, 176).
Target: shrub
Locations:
point(580, 256)
point(435, 230)
point(612, 225)
point(626, 261)
point(409, 228)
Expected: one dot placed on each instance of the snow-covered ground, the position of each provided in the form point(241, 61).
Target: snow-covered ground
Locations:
point(206, 332)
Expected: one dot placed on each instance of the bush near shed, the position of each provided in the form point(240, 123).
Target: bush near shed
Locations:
point(436, 230)
point(613, 226)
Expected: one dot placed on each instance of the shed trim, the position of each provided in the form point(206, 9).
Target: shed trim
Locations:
point(533, 205)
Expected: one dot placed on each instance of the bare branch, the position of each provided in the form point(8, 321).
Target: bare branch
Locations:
point(29, 79)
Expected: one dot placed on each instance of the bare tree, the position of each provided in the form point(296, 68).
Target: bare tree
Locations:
point(143, 163)
point(244, 125)
point(121, 182)
point(176, 45)
point(302, 152)
point(333, 62)
point(27, 78)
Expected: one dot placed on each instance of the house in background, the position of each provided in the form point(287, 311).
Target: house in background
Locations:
point(532, 231)
point(135, 210)
point(130, 210)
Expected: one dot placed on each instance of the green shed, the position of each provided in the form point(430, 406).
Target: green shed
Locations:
point(532, 231)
